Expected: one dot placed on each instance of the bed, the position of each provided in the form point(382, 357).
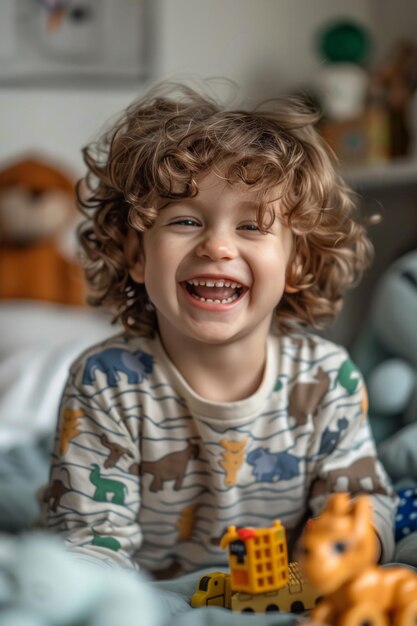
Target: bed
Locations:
point(38, 341)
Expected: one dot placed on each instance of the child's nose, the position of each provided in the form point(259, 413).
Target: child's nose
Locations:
point(216, 247)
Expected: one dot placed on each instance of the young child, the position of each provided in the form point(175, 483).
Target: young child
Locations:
point(216, 236)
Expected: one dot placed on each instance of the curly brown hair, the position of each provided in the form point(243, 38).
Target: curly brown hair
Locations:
point(161, 146)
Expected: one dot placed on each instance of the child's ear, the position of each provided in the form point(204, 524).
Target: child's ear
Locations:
point(134, 256)
point(290, 289)
point(293, 276)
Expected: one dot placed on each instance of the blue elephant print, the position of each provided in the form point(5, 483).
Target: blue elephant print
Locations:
point(136, 365)
point(269, 466)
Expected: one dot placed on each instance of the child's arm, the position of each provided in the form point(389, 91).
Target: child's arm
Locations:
point(351, 465)
point(93, 496)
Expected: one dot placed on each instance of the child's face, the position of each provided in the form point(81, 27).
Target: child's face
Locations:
point(212, 276)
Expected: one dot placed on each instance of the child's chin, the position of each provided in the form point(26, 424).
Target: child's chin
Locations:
point(214, 334)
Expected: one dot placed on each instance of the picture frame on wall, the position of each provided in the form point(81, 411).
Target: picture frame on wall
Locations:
point(73, 42)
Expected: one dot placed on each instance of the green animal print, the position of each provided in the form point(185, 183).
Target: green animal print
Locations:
point(348, 376)
point(106, 487)
point(106, 542)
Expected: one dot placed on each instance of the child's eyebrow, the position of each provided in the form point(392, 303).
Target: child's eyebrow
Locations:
point(248, 205)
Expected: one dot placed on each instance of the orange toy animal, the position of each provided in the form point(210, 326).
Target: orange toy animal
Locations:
point(37, 211)
point(338, 556)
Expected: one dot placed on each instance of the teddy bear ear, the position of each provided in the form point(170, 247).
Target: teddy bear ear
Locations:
point(37, 202)
point(134, 255)
point(35, 173)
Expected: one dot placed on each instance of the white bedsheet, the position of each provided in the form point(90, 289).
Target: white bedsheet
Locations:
point(38, 342)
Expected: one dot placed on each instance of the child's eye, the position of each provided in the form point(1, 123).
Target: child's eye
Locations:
point(252, 226)
point(186, 221)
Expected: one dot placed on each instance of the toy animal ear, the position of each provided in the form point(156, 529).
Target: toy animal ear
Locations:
point(134, 256)
point(362, 514)
point(339, 503)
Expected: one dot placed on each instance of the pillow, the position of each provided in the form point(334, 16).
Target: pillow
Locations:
point(38, 342)
point(399, 454)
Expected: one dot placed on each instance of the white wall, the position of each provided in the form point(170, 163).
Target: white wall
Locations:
point(55, 123)
point(393, 21)
point(266, 46)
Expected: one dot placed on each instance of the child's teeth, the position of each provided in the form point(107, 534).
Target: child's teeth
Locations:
point(225, 301)
point(212, 283)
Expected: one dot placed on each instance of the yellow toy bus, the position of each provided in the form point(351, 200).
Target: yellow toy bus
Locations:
point(298, 596)
point(260, 578)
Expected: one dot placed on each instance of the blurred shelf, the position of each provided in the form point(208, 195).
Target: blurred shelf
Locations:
point(397, 172)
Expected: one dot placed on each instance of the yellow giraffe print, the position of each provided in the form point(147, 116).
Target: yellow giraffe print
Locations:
point(69, 428)
point(186, 522)
point(232, 459)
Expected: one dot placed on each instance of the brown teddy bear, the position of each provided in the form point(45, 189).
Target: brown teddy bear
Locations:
point(37, 217)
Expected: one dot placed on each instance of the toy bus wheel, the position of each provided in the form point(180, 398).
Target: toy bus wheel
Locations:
point(248, 610)
point(271, 608)
point(297, 607)
point(364, 614)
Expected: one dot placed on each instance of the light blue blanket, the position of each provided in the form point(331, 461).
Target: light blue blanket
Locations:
point(41, 584)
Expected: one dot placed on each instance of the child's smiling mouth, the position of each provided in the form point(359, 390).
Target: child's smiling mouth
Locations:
point(214, 290)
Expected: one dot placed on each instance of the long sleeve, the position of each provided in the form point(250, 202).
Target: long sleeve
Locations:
point(345, 453)
point(93, 497)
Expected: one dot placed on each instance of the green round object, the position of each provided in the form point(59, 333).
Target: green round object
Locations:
point(344, 42)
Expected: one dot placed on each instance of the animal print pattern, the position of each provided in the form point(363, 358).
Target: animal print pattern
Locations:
point(69, 428)
point(146, 473)
point(232, 459)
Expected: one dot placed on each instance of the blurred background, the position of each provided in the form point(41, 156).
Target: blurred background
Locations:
point(68, 67)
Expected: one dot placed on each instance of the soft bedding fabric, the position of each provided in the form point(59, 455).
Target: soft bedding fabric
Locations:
point(23, 470)
point(37, 344)
point(42, 584)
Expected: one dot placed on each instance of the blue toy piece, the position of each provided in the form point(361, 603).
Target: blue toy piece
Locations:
point(406, 518)
point(386, 350)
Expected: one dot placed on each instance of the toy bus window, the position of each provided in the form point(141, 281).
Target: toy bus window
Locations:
point(203, 586)
point(238, 548)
